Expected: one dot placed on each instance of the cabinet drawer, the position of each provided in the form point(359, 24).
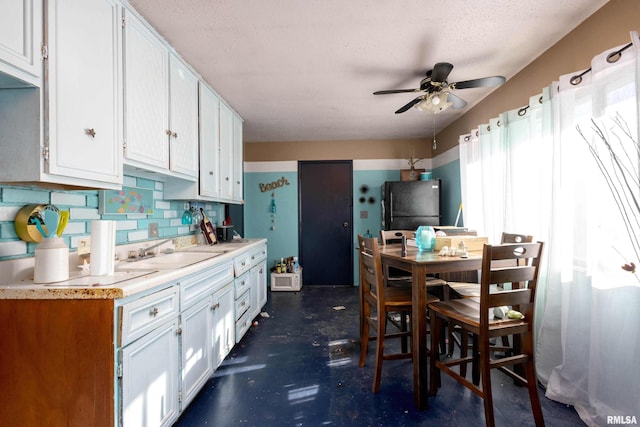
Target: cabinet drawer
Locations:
point(258, 255)
point(242, 284)
point(242, 304)
point(142, 315)
point(242, 264)
point(242, 326)
point(205, 282)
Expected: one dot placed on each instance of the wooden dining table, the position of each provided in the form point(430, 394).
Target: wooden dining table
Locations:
point(419, 264)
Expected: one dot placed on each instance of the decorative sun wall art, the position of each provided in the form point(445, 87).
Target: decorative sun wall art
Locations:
point(129, 200)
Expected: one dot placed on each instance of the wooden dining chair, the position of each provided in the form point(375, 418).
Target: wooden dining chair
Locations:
point(507, 263)
point(395, 277)
point(379, 301)
point(401, 323)
point(472, 289)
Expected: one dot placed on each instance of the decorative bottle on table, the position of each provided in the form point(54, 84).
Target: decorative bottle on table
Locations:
point(426, 238)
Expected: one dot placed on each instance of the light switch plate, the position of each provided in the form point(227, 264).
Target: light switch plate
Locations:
point(153, 229)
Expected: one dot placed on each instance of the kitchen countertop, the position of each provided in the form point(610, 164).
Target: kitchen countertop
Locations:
point(123, 282)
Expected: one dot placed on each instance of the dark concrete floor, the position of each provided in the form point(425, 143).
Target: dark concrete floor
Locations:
point(299, 367)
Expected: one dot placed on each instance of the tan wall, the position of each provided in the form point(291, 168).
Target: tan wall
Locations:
point(608, 27)
point(336, 150)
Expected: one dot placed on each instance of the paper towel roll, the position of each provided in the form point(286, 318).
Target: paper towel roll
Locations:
point(103, 246)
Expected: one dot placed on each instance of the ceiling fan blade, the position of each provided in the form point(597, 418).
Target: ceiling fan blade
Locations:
point(409, 105)
point(483, 82)
point(441, 71)
point(386, 92)
point(457, 103)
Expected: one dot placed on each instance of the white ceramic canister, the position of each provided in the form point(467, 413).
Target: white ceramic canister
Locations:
point(52, 261)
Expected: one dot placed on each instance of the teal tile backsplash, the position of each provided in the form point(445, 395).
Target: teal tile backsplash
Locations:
point(83, 207)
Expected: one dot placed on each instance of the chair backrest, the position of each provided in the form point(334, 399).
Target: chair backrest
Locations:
point(395, 236)
point(510, 263)
point(515, 238)
point(372, 269)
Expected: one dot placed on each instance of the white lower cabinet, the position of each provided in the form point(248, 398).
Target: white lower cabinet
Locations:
point(148, 358)
point(196, 357)
point(250, 287)
point(169, 342)
point(149, 380)
point(258, 279)
point(223, 336)
point(202, 307)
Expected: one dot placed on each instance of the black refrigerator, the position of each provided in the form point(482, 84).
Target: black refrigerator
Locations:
point(406, 205)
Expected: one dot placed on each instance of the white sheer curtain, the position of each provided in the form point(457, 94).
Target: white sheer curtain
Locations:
point(531, 171)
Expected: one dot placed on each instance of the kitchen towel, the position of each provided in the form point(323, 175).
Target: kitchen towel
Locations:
point(103, 247)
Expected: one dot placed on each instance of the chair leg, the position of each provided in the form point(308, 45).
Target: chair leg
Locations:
point(534, 397)
point(486, 382)
point(434, 373)
point(365, 333)
point(464, 351)
point(377, 371)
point(475, 369)
point(403, 328)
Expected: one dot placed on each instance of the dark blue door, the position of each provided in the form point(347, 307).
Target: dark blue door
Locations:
point(326, 232)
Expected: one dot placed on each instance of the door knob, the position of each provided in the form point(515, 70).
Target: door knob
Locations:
point(345, 224)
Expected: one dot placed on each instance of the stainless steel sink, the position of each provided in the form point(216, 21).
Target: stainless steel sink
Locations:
point(170, 261)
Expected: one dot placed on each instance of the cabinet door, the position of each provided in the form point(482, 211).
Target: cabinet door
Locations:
point(262, 284)
point(196, 360)
point(20, 38)
point(226, 152)
point(223, 326)
point(209, 143)
point(237, 159)
point(258, 288)
point(84, 90)
point(183, 118)
point(146, 77)
point(149, 385)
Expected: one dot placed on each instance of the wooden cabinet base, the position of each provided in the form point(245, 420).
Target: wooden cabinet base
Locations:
point(56, 365)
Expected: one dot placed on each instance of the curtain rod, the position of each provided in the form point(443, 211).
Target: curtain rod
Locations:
point(611, 58)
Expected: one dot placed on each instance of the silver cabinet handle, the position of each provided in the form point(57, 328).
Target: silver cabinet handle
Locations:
point(153, 312)
point(91, 132)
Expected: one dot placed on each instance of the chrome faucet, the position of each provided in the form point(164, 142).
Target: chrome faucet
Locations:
point(146, 252)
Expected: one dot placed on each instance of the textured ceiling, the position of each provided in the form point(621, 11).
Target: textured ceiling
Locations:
point(300, 70)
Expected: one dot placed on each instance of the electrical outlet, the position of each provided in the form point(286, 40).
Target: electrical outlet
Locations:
point(153, 229)
point(84, 246)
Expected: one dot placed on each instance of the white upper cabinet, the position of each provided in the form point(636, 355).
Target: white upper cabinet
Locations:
point(209, 143)
point(68, 132)
point(161, 105)
point(183, 118)
point(20, 40)
point(146, 77)
point(220, 147)
point(84, 90)
point(231, 155)
point(226, 152)
point(238, 169)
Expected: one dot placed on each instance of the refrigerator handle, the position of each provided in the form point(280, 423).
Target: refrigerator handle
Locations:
point(382, 204)
point(390, 208)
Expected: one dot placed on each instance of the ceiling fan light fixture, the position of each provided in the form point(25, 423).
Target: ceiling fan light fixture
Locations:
point(434, 103)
